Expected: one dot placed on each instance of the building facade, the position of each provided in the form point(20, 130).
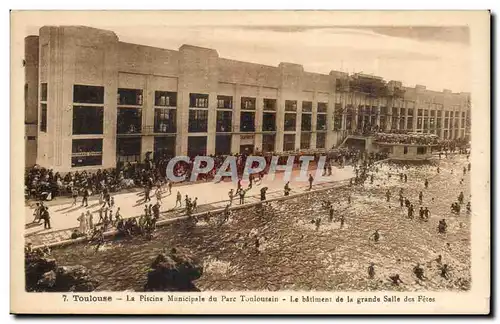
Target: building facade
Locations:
point(97, 101)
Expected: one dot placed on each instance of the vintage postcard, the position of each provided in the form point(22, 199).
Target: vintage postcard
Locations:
point(250, 162)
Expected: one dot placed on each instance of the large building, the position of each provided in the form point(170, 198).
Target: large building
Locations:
point(93, 101)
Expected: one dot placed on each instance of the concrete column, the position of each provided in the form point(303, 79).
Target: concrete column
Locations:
point(415, 115)
point(235, 139)
point(390, 103)
point(280, 120)
point(181, 142)
point(343, 106)
point(314, 120)
point(298, 125)
point(147, 142)
point(378, 111)
point(330, 138)
point(404, 116)
point(258, 120)
point(212, 122)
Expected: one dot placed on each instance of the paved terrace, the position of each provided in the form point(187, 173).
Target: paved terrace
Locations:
point(211, 197)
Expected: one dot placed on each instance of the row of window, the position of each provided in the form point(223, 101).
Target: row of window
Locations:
point(89, 152)
point(397, 122)
point(89, 105)
point(90, 120)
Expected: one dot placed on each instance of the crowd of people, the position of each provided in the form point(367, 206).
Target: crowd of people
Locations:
point(45, 184)
point(419, 139)
point(147, 176)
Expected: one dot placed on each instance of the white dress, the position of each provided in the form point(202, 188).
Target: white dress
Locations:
point(83, 224)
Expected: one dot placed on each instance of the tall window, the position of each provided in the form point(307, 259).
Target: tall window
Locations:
point(224, 121)
point(43, 118)
point(165, 99)
point(247, 103)
point(43, 107)
point(88, 109)
point(198, 100)
point(247, 121)
point(88, 120)
point(224, 116)
point(129, 114)
point(198, 113)
point(337, 117)
point(129, 121)
point(349, 117)
point(306, 123)
point(165, 112)
point(198, 121)
point(268, 142)
point(197, 145)
point(86, 152)
point(128, 149)
point(222, 144)
point(290, 121)
point(43, 92)
point(305, 141)
point(165, 120)
point(320, 140)
point(164, 146)
point(321, 122)
point(289, 142)
point(268, 122)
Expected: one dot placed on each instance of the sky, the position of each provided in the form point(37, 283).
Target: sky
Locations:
point(437, 57)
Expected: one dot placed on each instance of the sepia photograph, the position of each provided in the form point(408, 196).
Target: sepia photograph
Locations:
point(259, 154)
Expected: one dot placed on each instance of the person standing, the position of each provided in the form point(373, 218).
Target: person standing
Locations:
point(371, 270)
point(427, 213)
point(46, 218)
point(75, 196)
point(147, 192)
point(37, 213)
point(311, 180)
point(195, 204)
point(158, 195)
point(231, 196)
point(90, 221)
point(118, 215)
point(83, 224)
point(242, 196)
point(85, 200)
point(169, 187)
point(330, 213)
point(178, 199)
